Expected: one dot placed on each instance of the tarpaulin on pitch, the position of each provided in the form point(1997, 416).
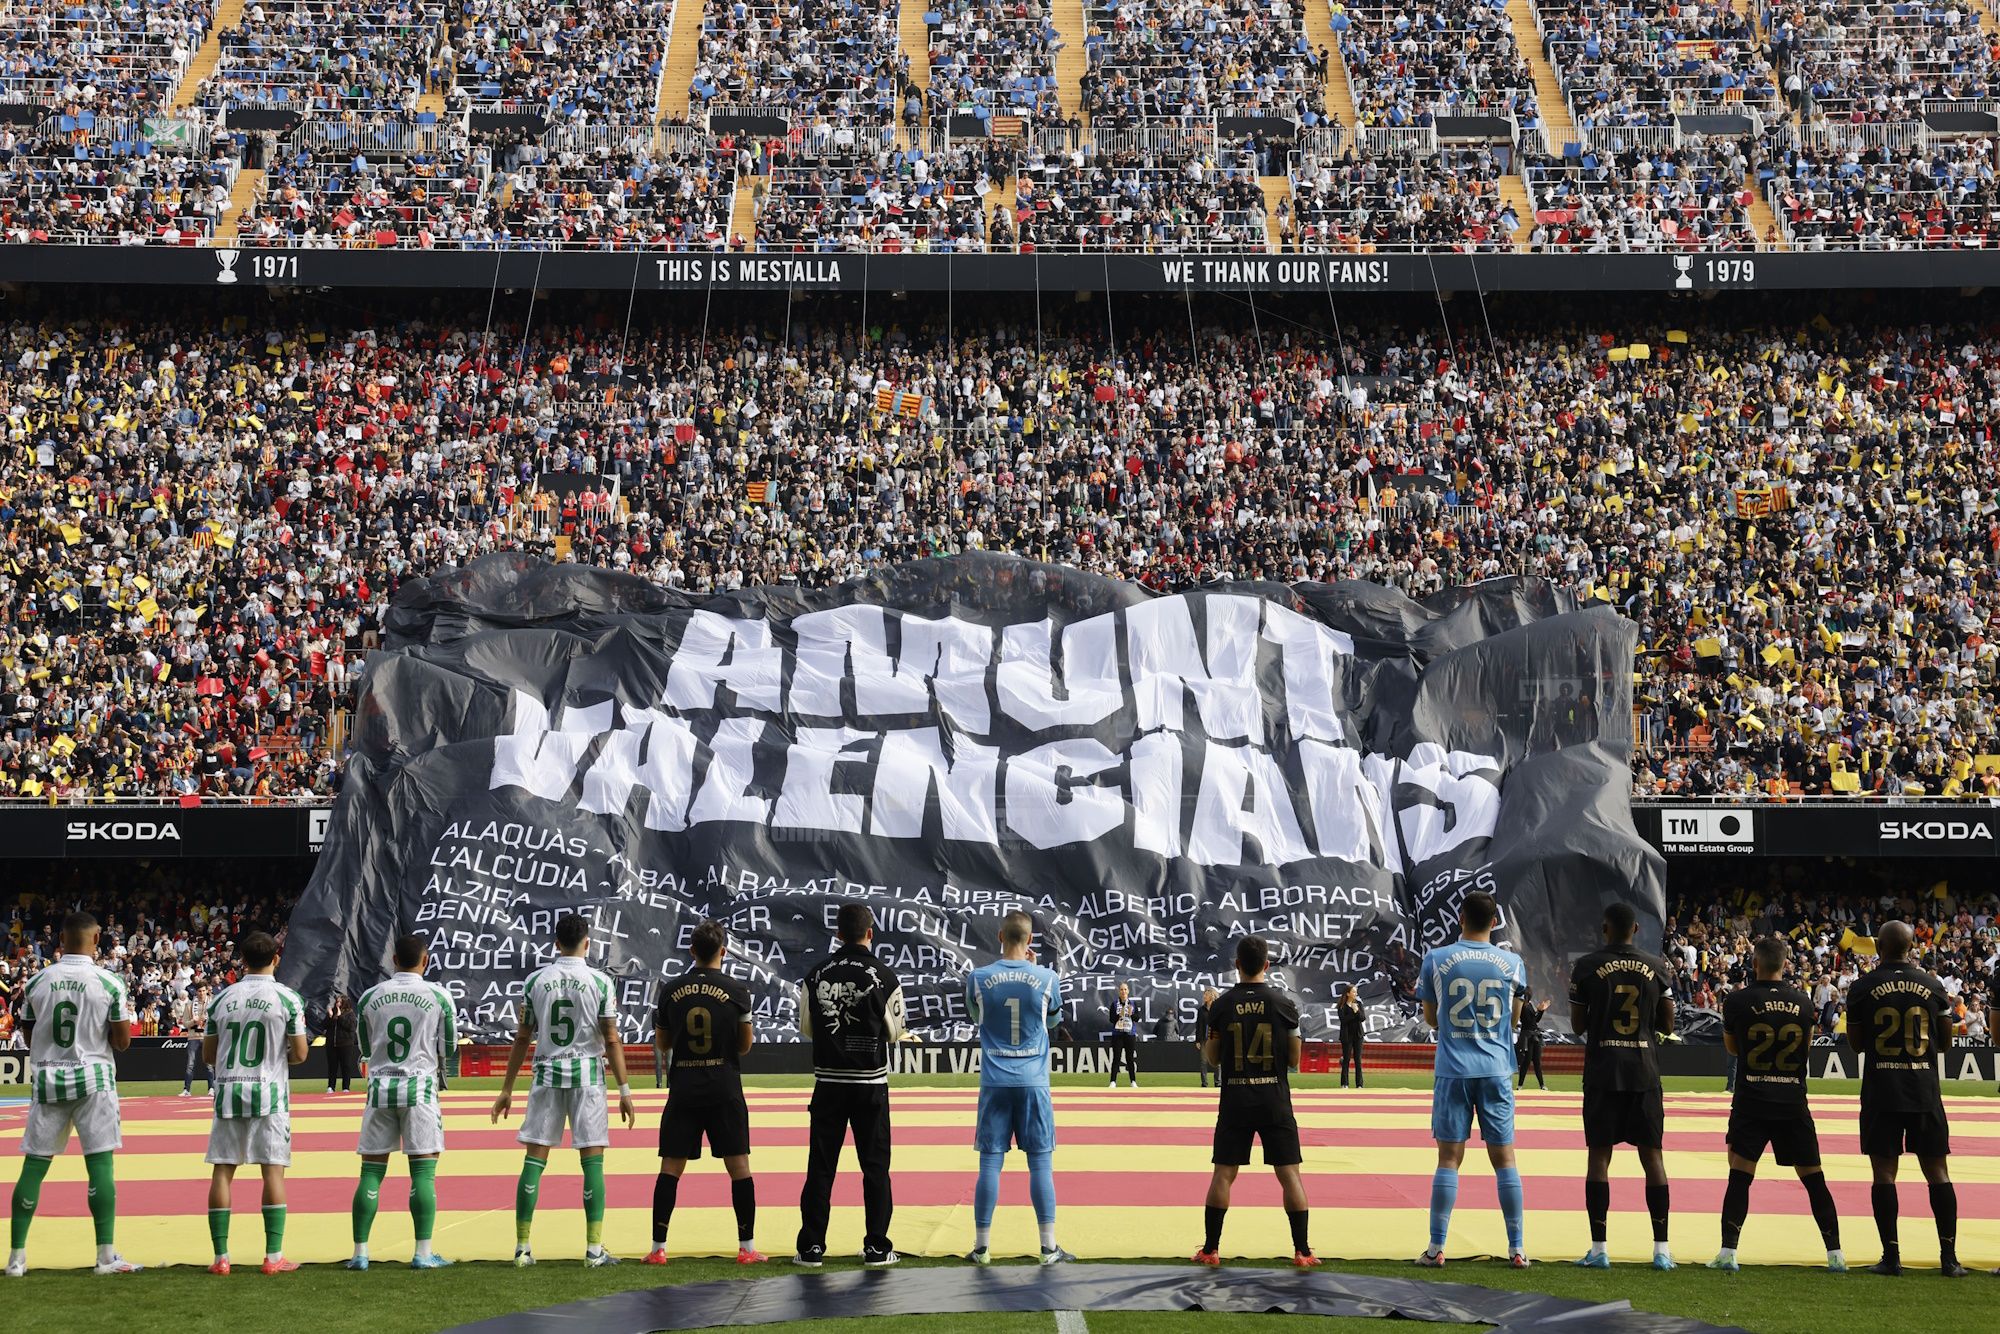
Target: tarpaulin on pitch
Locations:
point(1331, 766)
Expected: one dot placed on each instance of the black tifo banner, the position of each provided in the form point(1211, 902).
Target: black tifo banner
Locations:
point(647, 271)
point(1332, 766)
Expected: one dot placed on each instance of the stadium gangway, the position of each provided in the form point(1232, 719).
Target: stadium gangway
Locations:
point(1840, 136)
point(1389, 140)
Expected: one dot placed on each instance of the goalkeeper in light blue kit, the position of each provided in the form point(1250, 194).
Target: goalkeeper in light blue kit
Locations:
point(1015, 1002)
point(1472, 992)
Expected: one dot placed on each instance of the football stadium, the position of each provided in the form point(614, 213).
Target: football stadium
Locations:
point(1148, 662)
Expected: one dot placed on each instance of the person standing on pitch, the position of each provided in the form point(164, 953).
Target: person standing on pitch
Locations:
point(1353, 1018)
point(1201, 1036)
point(343, 1041)
point(850, 1009)
point(405, 1028)
point(1899, 1019)
point(1528, 1043)
point(1471, 992)
point(1014, 1002)
point(703, 1019)
point(75, 1016)
point(1124, 1035)
point(256, 1031)
point(569, 1017)
point(1254, 1046)
point(1619, 1000)
point(194, 1020)
point(1767, 1026)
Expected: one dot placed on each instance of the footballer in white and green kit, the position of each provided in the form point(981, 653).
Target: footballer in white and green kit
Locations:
point(76, 1016)
point(256, 1033)
point(569, 1014)
point(408, 1027)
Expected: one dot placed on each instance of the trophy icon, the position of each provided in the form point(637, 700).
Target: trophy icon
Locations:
point(227, 259)
point(1684, 265)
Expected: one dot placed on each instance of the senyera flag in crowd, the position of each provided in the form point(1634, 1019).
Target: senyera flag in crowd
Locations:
point(1331, 766)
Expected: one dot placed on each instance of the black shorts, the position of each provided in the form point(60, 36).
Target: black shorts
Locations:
point(1791, 1135)
point(1623, 1116)
point(1277, 1131)
point(725, 1122)
point(1889, 1134)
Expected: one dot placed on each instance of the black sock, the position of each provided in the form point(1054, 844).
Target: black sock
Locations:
point(1211, 1227)
point(1657, 1209)
point(1735, 1207)
point(1597, 1203)
point(1300, 1243)
point(1824, 1211)
point(666, 1190)
point(1944, 1208)
point(1883, 1197)
point(743, 1195)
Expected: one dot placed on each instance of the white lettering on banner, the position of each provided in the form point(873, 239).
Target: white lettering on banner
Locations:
point(1935, 831)
point(817, 702)
point(122, 831)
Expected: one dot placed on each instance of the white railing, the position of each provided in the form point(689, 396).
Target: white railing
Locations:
point(1385, 140)
point(1841, 136)
point(1615, 138)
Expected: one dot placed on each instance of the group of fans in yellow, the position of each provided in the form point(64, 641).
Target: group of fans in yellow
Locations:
point(851, 1008)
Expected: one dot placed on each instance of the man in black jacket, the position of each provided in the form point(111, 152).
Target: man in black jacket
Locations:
point(343, 1040)
point(1353, 1028)
point(851, 1007)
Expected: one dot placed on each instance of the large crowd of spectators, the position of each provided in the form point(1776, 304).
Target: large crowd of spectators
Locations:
point(328, 56)
point(988, 59)
point(1138, 200)
point(169, 928)
point(841, 60)
point(1642, 62)
point(109, 192)
point(900, 201)
point(99, 57)
point(567, 60)
point(199, 528)
point(1880, 60)
point(1939, 195)
point(1710, 930)
point(1692, 197)
point(1360, 202)
point(1167, 60)
point(1409, 64)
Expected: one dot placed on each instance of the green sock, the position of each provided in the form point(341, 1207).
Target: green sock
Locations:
point(218, 1230)
point(593, 1200)
point(274, 1229)
point(27, 1194)
point(524, 1197)
point(103, 1196)
point(367, 1197)
point(423, 1196)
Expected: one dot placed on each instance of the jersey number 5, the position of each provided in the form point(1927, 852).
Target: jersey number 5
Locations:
point(562, 1024)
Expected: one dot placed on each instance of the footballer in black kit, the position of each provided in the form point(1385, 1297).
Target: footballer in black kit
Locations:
point(1253, 1043)
point(1767, 1026)
point(703, 1018)
point(1898, 1020)
point(1619, 1001)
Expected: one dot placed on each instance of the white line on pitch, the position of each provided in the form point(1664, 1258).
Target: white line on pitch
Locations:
point(1071, 1322)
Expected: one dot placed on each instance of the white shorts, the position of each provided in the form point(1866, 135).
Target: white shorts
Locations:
point(265, 1141)
point(413, 1130)
point(95, 1117)
point(584, 1109)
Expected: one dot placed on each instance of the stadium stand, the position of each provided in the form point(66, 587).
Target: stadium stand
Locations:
point(592, 60)
point(1409, 64)
point(1638, 198)
point(900, 201)
point(1881, 61)
point(1188, 60)
point(328, 56)
point(117, 192)
point(1838, 643)
point(1191, 198)
point(1448, 200)
point(834, 61)
point(1643, 63)
point(1941, 195)
point(986, 60)
point(100, 59)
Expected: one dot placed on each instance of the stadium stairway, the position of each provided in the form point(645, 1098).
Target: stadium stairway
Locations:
point(1514, 193)
point(1762, 220)
point(1277, 189)
point(743, 209)
point(1558, 129)
point(243, 192)
point(683, 50)
point(1071, 62)
point(1339, 97)
point(916, 40)
point(1984, 10)
point(228, 14)
point(999, 197)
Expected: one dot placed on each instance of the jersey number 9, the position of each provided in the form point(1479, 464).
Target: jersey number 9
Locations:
point(701, 1032)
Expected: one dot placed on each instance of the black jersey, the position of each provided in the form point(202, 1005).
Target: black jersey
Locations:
point(1899, 1019)
point(1772, 1024)
point(1254, 1023)
point(1620, 991)
point(698, 1017)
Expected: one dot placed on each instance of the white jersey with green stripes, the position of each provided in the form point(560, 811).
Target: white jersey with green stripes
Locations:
point(71, 1004)
point(253, 1023)
point(564, 1005)
point(407, 1027)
